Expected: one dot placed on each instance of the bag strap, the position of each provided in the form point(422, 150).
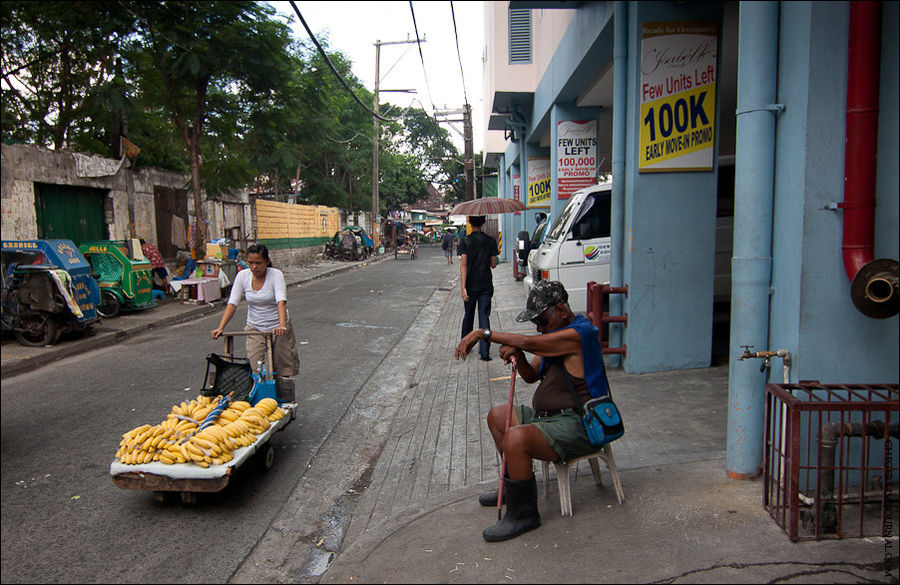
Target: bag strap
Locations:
point(568, 377)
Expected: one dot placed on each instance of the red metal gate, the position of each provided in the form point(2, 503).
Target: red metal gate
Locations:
point(830, 459)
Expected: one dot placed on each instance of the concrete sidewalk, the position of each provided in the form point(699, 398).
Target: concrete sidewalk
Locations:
point(683, 519)
point(17, 359)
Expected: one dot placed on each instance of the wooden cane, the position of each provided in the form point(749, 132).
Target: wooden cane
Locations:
point(509, 406)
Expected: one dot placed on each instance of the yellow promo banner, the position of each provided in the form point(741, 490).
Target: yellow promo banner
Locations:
point(678, 96)
point(538, 181)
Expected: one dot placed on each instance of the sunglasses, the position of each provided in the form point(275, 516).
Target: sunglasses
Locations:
point(541, 320)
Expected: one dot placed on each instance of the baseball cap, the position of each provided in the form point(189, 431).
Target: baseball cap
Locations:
point(543, 295)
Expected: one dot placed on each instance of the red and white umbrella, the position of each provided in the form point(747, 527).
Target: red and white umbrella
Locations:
point(488, 206)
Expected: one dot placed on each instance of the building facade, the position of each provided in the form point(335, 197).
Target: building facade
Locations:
point(701, 110)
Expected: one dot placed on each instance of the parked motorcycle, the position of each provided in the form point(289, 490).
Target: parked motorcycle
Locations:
point(47, 289)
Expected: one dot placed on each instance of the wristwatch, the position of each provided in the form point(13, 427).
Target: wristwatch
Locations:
point(486, 334)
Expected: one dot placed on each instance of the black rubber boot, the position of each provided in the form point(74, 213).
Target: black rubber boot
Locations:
point(521, 511)
point(489, 498)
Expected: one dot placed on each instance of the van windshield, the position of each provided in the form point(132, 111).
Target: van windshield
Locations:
point(556, 232)
point(538, 235)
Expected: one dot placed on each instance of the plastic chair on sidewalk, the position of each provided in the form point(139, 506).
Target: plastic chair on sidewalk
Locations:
point(562, 476)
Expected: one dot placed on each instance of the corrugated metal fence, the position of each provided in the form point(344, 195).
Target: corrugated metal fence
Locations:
point(285, 225)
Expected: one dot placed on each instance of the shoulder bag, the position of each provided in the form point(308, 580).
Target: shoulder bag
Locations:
point(600, 416)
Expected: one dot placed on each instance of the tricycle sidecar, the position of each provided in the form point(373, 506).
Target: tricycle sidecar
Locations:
point(126, 283)
point(47, 289)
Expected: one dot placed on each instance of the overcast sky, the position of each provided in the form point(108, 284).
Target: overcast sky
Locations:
point(353, 27)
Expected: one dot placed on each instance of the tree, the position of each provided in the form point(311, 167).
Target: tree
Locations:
point(60, 77)
point(199, 61)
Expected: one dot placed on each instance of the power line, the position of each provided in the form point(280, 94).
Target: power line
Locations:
point(421, 57)
point(331, 66)
point(458, 54)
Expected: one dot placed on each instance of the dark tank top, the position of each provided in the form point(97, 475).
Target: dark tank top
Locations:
point(553, 392)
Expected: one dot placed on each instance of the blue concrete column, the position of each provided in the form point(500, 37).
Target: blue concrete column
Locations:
point(617, 211)
point(751, 265)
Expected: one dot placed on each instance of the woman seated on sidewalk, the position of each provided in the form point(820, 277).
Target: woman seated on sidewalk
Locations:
point(568, 345)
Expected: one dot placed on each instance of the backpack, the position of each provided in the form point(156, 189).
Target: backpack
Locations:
point(445, 241)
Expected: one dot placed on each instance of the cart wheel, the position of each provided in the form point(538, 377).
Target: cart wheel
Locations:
point(265, 458)
point(109, 304)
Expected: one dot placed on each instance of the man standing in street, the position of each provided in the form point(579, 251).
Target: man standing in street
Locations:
point(478, 256)
point(447, 245)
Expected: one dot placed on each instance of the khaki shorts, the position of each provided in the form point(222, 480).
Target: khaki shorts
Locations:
point(284, 352)
point(564, 432)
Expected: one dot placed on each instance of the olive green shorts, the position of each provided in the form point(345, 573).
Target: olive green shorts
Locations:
point(564, 432)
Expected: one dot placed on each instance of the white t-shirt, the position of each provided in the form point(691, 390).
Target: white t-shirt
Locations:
point(262, 304)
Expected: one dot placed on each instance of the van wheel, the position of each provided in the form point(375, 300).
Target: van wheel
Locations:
point(109, 306)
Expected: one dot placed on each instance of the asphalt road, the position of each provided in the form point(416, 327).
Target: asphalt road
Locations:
point(63, 520)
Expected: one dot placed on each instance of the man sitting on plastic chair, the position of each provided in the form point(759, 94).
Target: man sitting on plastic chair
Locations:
point(567, 346)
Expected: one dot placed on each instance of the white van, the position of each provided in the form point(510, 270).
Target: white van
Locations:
point(576, 250)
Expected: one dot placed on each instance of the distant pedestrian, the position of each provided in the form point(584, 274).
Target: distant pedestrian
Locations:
point(478, 256)
point(157, 264)
point(447, 243)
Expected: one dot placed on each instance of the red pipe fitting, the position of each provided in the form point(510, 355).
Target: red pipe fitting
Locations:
point(874, 286)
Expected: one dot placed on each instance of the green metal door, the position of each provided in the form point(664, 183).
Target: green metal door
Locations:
point(73, 213)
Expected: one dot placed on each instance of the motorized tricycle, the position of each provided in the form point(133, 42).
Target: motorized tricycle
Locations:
point(47, 289)
point(125, 279)
point(350, 243)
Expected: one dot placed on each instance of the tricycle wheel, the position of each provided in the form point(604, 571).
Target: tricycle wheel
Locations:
point(265, 458)
point(109, 306)
point(37, 331)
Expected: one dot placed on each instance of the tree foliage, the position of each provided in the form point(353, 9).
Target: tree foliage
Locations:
point(217, 89)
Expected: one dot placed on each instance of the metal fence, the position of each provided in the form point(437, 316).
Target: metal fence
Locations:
point(830, 459)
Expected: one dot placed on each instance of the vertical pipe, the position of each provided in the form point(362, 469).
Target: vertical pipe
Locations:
point(617, 208)
point(861, 140)
point(753, 205)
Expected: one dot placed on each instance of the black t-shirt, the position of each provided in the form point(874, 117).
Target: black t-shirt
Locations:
point(478, 248)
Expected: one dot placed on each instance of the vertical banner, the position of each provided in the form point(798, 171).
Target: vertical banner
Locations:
point(538, 181)
point(576, 158)
point(678, 96)
point(517, 180)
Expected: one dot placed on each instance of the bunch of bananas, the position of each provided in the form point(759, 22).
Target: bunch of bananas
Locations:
point(177, 440)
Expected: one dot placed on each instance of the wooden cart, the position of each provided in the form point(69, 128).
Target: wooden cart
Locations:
point(189, 479)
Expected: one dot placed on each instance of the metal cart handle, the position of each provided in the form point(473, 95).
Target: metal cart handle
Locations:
point(229, 345)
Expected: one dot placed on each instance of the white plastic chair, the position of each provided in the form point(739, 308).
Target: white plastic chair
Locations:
point(562, 476)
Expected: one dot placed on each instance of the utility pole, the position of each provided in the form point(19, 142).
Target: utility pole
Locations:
point(469, 159)
point(378, 45)
point(468, 142)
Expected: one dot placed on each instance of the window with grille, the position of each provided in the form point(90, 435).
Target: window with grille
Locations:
point(519, 36)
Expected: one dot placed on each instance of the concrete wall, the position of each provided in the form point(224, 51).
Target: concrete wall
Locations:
point(25, 165)
point(811, 312)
